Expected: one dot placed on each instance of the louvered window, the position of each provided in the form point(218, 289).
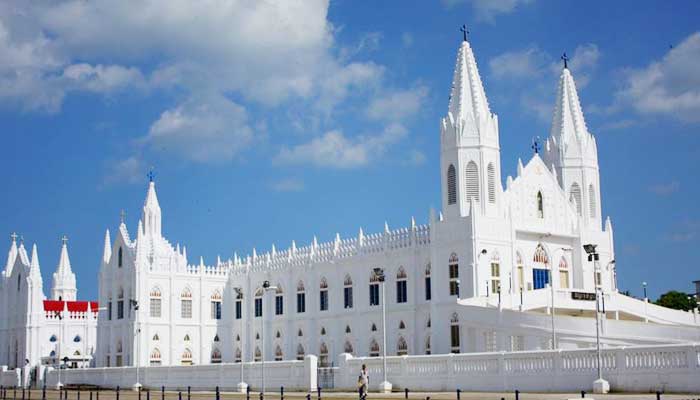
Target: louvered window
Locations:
point(451, 185)
point(492, 183)
point(591, 201)
point(472, 180)
point(575, 197)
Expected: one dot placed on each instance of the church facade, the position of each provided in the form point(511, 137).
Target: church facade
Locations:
point(325, 298)
point(498, 269)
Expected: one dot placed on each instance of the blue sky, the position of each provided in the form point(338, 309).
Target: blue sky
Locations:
point(270, 123)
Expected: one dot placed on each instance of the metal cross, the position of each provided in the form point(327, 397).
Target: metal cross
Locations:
point(122, 215)
point(14, 236)
point(64, 239)
point(566, 59)
point(150, 175)
point(536, 144)
point(465, 32)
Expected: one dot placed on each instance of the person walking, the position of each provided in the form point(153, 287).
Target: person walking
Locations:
point(363, 382)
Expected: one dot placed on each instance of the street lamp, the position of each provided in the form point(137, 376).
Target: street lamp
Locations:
point(135, 306)
point(266, 288)
point(242, 386)
point(600, 385)
point(385, 386)
point(59, 314)
point(551, 287)
point(644, 285)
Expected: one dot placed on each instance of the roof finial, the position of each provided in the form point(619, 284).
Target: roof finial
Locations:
point(566, 60)
point(64, 239)
point(536, 144)
point(150, 174)
point(122, 216)
point(21, 239)
point(464, 31)
point(14, 236)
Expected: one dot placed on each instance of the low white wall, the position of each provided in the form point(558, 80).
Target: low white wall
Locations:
point(669, 368)
point(293, 375)
point(10, 378)
point(636, 369)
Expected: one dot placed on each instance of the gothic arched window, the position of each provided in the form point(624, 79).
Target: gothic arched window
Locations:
point(491, 175)
point(186, 358)
point(279, 356)
point(155, 304)
point(348, 347)
point(401, 286)
point(575, 197)
point(215, 356)
point(591, 201)
point(373, 348)
point(451, 185)
point(472, 181)
point(347, 291)
point(540, 205)
point(300, 352)
point(120, 257)
point(401, 347)
point(155, 357)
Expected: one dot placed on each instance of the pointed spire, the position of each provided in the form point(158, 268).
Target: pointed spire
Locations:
point(467, 98)
point(107, 251)
point(34, 264)
point(64, 260)
point(386, 227)
point(64, 286)
point(413, 223)
point(568, 122)
point(361, 238)
point(184, 253)
point(201, 261)
point(11, 254)
point(151, 215)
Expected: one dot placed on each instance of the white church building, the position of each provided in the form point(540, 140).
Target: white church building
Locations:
point(36, 330)
point(475, 278)
point(498, 269)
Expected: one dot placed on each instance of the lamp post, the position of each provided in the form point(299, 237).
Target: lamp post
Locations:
point(242, 386)
point(600, 385)
point(644, 285)
point(551, 287)
point(59, 314)
point(384, 386)
point(265, 287)
point(135, 306)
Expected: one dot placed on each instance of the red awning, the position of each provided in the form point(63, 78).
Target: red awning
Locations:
point(73, 306)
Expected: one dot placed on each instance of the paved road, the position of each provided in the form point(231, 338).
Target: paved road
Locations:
point(174, 395)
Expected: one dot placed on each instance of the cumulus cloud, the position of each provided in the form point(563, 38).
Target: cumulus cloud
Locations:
point(530, 74)
point(335, 150)
point(129, 170)
point(397, 105)
point(487, 10)
point(210, 129)
point(670, 86)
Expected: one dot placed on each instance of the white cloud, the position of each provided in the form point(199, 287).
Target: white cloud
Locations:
point(335, 150)
point(487, 10)
point(209, 129)
point(287, 185)
point(397, 105)
point(416, 157)
point(519, 64)
point(530, 75)
point(128, 170)
point(670, 86)
point(665, 189)
point(102, 78)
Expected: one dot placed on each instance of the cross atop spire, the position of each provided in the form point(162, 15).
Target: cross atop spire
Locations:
point(536, 144)
point(464, 31)
point(150, 174)
point(14, 236)
point(566, 60)
point(64, 239)
point(122, 216)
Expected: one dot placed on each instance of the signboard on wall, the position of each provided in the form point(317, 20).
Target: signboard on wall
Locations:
point(583, 296)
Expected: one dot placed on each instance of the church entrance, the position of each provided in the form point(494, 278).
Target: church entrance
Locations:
point(540, 277)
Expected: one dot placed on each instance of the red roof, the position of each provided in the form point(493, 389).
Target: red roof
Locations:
point(73, 306)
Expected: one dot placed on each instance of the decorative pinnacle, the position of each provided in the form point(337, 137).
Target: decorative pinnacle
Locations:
point(464, 31)
point(64, 239)
point(150, 174)
point(14, 236)
point(566, 60)
point(536, 144)
point(122, 216)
